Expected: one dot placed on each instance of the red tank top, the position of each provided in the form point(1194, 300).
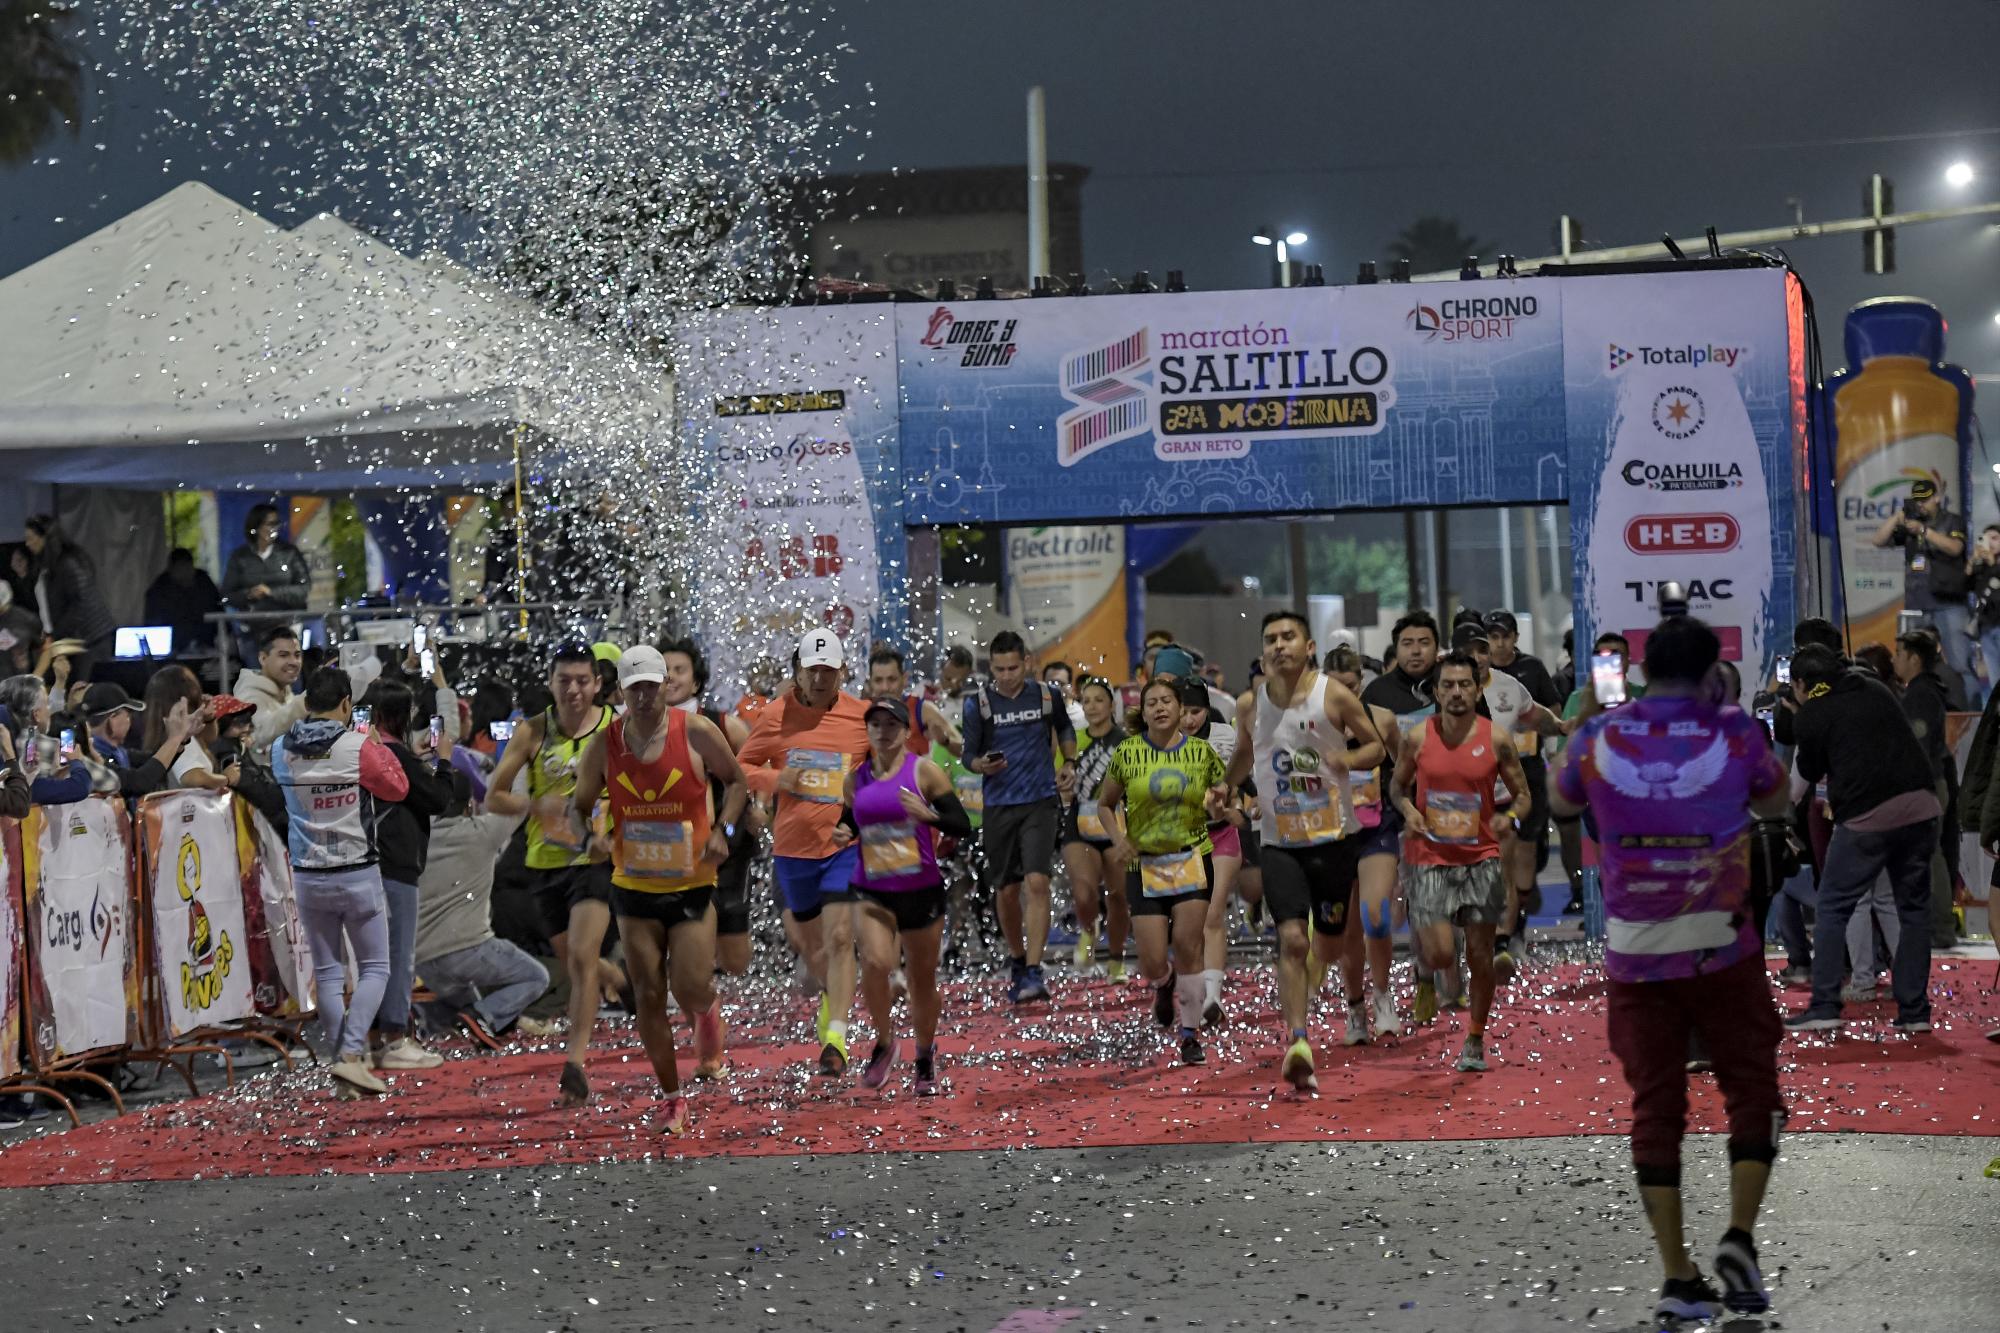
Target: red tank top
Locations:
point(1455, 794)
point(659, 814)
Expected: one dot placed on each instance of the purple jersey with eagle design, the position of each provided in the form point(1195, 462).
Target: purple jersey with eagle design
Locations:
point(1669, 782)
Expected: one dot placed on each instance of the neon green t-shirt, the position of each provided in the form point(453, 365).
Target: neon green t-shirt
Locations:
point(1164, 790)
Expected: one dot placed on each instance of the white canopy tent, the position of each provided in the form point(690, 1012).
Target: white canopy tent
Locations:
point(192, 343)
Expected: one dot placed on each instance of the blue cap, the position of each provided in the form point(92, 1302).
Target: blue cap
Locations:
point(1894, 326)
point(1174, 660)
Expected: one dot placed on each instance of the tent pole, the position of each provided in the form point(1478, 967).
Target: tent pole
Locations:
point(520, 536)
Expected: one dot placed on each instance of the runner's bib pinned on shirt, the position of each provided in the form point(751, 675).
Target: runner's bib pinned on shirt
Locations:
point(657, 848)
point(1305, 819)
point(1171, 875)
point(1453, 817)
point(971, 791)
point(890, 850)
point(822, 775)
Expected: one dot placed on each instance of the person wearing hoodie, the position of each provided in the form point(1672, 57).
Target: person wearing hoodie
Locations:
point(1852, 732)
point(332, 776)
point(269, 687)
point(403, 835)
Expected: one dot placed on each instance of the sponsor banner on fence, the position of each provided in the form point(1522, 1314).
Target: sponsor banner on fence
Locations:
point(1681, 405)
point(82, 932)
point(795, 411)
point(12, 959)
point(1232, 402)
point(1065, 587)
point(195, 888)
point(280, 961)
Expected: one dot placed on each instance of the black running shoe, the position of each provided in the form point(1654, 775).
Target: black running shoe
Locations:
point(1163, 1003)
point(1687, 1298)
point(1742, 1283)
point(1191, 1052)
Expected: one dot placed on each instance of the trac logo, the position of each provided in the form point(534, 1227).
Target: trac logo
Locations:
point(1619, 356)
point(1682, 534)
point(986, 342)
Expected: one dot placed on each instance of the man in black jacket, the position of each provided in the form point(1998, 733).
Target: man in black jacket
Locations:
point(1925, 703)
point(1852, 732)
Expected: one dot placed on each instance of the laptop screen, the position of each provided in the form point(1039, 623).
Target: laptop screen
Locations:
point(133, 642)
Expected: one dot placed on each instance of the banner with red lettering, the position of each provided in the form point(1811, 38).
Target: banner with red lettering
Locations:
point(11, 961)
point(194, 888)
point(82, 934)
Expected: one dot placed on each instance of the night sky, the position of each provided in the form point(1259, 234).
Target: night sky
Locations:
point(1345, 120)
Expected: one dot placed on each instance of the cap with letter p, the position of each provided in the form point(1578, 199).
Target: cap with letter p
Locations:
point(821, 648)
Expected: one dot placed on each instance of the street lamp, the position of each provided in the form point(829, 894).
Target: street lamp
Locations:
point(1958, 175)
point(1269, 236)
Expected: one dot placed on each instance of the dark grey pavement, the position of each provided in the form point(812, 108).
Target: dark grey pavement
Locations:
point(1862, 1233)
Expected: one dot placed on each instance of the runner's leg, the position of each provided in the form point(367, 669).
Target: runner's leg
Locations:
point(588, 922)
point(1215, 933)
point(645, 945)
point(691, 952)
point(879, 951)
point(920, 960)
point(1117, 912)
point(1479, 962)
point(1035, 911)
point(840, 962)
point(1085, 868)
point(1377, 933)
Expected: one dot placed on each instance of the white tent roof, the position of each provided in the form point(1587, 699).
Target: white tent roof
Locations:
point(194, 343)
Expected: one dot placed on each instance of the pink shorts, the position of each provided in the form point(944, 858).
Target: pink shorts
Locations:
point(1228, 841)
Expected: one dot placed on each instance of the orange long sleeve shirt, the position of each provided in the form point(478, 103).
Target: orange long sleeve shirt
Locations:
point(824, 744)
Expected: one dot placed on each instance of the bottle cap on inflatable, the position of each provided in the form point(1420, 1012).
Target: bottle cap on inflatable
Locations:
point(1894, 326)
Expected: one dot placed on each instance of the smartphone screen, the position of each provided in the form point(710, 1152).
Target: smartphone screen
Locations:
point(501, 729)
point(1785, 670)
point(68, 742)
point(362, 716)
point(437, 730)
point(1768, 716)
point(428, 661)
point(420, 638)
point(1607, 678)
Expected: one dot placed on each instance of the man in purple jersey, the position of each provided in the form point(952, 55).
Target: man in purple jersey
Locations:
point(1671, 782)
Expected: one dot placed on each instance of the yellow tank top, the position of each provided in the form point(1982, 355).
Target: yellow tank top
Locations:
point(552, 772)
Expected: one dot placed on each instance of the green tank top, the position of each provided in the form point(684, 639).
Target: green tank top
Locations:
point(552, 772)
point(968, 785)
point(1164, 791)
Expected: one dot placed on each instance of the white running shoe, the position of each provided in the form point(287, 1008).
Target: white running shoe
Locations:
point(1386, 1022)
point(1357, 1026)
point(408, 1053)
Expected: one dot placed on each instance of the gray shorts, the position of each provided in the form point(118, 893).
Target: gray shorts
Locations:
point(1473, 895)
point(1020, 840)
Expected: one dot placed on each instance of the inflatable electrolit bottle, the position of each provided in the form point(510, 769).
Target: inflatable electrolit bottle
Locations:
point(1898, 414)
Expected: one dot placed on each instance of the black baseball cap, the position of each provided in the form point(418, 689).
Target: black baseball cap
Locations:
point(1923, 488)
point(893, 707)
point(105, 698)
point(1194, 693)
point(1503, 621)
point(1468, 634)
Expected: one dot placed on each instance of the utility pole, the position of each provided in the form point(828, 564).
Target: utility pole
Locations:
point(1038, 185)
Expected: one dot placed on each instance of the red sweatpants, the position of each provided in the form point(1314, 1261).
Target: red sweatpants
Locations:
point(1739, 1024)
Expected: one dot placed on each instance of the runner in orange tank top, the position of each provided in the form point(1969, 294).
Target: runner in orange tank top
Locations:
point(654, 764)
point(1451, 843)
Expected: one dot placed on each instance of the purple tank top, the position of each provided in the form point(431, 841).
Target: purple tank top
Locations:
point(897, 853)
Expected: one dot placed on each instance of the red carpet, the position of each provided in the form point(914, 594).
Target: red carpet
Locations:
point(1092, 1072)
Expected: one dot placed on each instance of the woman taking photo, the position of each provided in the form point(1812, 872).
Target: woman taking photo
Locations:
point(1086, 843)
point(196, 765)
point(1156, 801)
point(897, 803)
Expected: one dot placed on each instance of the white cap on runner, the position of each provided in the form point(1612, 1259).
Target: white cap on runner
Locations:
point(821, 648)
point(641, 664)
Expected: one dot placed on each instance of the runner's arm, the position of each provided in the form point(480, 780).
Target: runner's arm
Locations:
point(735, 730)
point(1244, 759)
point(1345, 709)
point(761, 754)
point(935, 722)
point(501, 798)
point(1111, 810)
point(720, 761)
point(1517, 780)
point(589, 774)
point(947, 812)
point(1403, 787)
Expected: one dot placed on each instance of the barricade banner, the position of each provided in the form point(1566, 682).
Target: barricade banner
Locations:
point(280, 962)
point(11, 959)
point(82, 933)
point(194, 887)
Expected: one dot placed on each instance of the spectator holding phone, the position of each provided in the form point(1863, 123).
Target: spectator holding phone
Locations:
point(52, 779)
point(109, 712)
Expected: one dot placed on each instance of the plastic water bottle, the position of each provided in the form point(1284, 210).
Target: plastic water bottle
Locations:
point(1593, 905)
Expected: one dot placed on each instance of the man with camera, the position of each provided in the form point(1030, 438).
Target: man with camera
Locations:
point(1934, 580)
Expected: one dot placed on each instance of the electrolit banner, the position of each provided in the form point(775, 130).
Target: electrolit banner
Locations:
point(796, 411)
point(1065, 587)
point(1896, 415)
point(1232, 402)
point(1682, 400)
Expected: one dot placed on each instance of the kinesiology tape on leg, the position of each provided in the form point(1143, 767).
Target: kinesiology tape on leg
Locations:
point(1371, 926)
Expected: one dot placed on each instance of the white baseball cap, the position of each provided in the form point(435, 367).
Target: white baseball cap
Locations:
point(641, 664)
point(821, 648)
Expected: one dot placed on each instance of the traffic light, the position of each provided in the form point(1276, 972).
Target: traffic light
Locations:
point(1878, 244)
